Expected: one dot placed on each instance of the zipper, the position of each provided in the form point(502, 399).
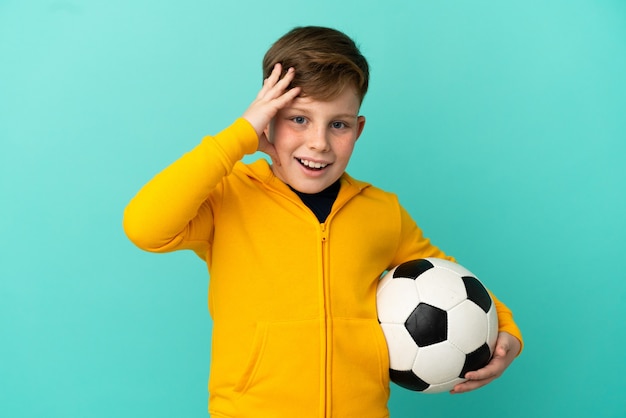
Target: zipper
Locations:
point(325, 410)
point(327, 325)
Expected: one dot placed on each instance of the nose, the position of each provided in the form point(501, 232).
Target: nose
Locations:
point(318, 140)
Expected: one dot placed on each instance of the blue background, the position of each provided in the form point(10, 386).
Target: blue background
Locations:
point(500, 124)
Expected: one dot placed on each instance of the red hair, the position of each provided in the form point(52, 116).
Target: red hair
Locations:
point(326, 61)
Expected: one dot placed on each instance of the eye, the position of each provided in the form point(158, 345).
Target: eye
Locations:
point(299, 120)
point(338, 125)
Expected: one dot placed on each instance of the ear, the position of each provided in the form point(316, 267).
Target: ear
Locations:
point(360, 120)
point(266, 132)
point(268, 129)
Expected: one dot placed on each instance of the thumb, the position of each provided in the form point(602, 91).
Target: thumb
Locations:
point(501, 350)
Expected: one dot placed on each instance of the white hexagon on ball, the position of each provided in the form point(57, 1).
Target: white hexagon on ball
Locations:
point(441, 288)
point(467, 326)
point(438, 363)
point(399, 302)
point(401, 346)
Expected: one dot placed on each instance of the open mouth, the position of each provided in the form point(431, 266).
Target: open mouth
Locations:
point(312, 165)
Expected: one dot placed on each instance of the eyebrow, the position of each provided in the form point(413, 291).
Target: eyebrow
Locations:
point(347, 115)
point(305, 111)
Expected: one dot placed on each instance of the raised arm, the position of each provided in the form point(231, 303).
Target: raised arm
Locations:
point(173, 211)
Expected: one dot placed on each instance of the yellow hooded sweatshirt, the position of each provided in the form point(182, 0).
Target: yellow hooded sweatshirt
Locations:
point(295, 329)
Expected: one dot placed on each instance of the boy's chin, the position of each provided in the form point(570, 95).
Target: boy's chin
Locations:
point(308, 186)
point(311, 187)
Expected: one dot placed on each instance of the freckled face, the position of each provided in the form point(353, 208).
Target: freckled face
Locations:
point(314, 140)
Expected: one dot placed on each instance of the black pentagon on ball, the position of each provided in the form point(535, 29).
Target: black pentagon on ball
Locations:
point(412, 269)
point(427, 325)
point(476, 360)
point(477, 293)
point(408, 380)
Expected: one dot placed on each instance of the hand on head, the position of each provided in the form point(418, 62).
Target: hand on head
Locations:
point(272, 97)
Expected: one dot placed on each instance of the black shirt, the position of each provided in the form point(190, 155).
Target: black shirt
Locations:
point(320, 203)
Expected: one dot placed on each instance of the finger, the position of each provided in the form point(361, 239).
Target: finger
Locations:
point(287, 97)
point(470, 385)
point(271, 80)
point(487, 372)
point(287, 78)
point(278, 89)
point(501, 350)
point(494, 369)
point(479, 378)
point(276, 72)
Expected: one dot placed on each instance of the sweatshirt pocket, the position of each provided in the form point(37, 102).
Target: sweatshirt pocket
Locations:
point(360, 368)
point(283, 355)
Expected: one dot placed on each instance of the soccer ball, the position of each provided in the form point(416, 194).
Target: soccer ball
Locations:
point(439, 322)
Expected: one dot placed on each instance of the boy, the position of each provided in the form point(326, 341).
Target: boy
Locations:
point(294, 249)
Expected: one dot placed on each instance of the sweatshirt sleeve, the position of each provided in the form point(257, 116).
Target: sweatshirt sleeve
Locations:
point(171, 211)
point(412, 242)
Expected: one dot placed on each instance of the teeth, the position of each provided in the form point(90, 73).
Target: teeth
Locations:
point(312, 164)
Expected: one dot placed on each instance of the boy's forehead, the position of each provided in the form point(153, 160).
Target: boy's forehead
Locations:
point(346, 102)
